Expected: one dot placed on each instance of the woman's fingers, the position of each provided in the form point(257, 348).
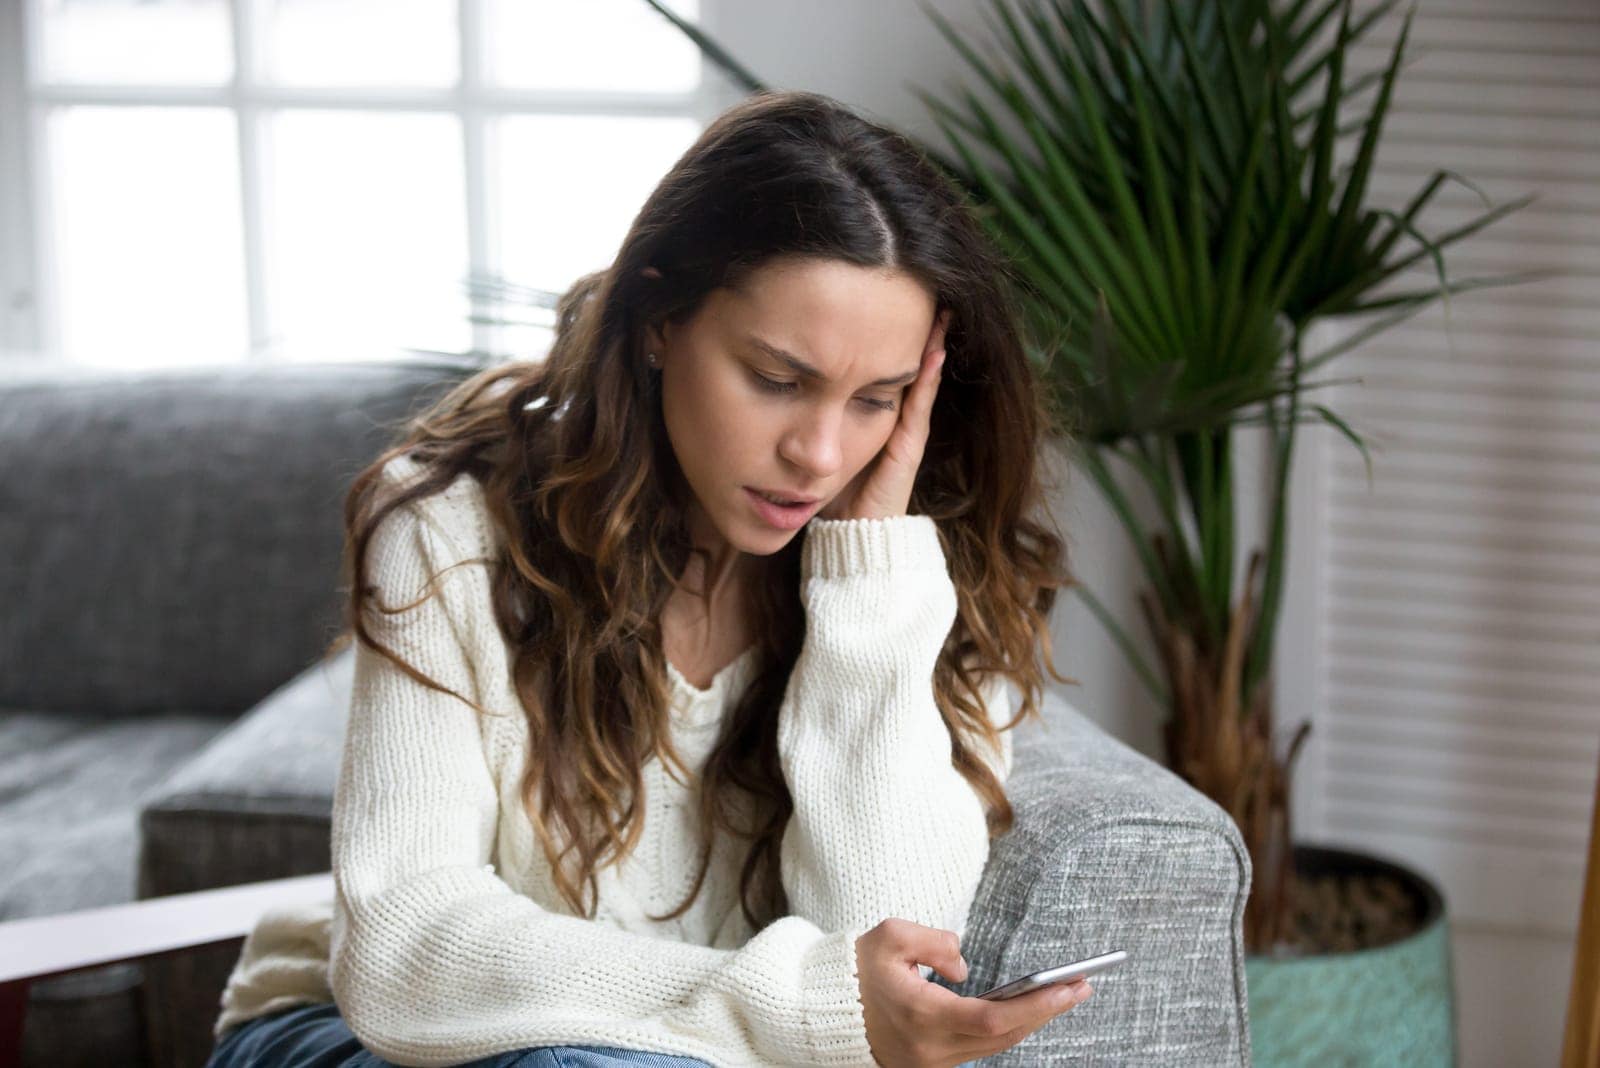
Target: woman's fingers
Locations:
point(941, 323)
point(977, 1028)
point(918, 412)
point(883, 487)
point(991, 1020)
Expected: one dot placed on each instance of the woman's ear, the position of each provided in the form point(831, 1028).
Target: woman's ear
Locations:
point(653, 335)
point(654, 338)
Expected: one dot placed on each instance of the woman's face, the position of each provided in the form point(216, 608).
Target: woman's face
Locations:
point(742, 418)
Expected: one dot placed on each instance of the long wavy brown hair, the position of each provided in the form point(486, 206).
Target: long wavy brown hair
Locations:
point(589, 504)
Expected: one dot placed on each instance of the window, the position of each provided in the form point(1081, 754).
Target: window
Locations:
point(218, 180)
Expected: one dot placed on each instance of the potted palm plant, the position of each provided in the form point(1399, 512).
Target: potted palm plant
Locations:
point(1173, 186)
point(1163, 177)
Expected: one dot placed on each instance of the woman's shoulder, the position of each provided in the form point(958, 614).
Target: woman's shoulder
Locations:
point(457, 511)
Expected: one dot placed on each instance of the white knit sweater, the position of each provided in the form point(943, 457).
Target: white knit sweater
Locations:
point(447, 941)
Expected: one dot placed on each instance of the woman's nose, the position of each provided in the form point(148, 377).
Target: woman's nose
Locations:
point(813, 444)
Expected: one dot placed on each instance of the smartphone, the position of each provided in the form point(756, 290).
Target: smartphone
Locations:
point(1064, 973)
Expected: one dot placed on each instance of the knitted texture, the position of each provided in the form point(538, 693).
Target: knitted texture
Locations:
point(447, 941)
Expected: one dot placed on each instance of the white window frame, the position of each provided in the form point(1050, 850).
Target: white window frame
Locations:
point(30, 310)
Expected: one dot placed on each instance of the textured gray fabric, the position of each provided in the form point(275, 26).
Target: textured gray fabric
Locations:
point(174, 536)
point(71, 788)
point(1112, 851)
point(276, 763)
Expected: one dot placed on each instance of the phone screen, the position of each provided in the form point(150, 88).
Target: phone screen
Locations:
point(1065, 973)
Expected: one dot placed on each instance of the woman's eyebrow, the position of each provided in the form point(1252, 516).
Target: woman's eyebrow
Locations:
point(806, 369)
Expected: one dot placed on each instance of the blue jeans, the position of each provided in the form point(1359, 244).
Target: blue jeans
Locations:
point(314, 1036)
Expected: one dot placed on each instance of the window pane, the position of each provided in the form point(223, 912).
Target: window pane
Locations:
point(367, 234)
point(556, 222)
point(149, 235)
point(597, 44)
point(173, 42)
point(362, 42)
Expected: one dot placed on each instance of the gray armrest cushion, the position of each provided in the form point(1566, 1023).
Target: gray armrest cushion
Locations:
point(255, 804)
point(1110, 850)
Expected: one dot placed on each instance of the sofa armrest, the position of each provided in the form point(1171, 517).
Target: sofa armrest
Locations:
point(1110, 850)
point(255, 804)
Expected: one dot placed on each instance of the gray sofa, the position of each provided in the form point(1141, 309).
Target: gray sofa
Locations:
point(168, 557)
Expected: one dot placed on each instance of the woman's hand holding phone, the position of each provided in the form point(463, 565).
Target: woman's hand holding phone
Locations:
point(919, 1024)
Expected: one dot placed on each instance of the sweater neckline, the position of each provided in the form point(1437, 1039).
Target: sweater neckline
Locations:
point(731, 672)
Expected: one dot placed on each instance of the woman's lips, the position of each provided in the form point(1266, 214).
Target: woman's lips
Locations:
point(785, 497)
point(781, 516)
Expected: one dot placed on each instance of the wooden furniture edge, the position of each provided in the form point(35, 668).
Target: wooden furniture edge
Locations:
point(43, 946)
point(1582, 1045)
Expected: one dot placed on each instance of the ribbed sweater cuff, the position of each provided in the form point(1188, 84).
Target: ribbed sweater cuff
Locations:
point(836, 1028)
point(835, 548)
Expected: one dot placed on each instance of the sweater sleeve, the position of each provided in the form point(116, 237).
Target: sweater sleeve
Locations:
point(883, 824)
point(435, 960)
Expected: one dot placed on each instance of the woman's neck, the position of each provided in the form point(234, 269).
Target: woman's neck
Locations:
point(702, 634)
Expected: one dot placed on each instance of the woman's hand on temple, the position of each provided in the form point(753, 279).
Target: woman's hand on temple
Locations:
point(914, 1023)
point(883, 488)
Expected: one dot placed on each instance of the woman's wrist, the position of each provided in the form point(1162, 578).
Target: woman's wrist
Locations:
point(838, 548)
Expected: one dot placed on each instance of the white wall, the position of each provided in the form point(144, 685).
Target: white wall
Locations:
point(862, 53)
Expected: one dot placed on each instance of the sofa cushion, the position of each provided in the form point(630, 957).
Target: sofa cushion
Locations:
point(256, 803)
point(170, 540)
point(1111, 850)
point(71, 788)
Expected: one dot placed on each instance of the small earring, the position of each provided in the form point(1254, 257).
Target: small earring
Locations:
point(652, 359)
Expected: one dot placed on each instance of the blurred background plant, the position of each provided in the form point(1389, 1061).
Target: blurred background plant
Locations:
point(1174, 207)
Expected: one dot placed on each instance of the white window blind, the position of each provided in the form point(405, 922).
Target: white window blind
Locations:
point(1458, 616)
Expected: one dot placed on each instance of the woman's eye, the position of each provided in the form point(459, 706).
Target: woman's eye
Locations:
point(772, 385)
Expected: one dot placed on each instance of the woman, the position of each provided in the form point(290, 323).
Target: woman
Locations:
point(634, 773)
